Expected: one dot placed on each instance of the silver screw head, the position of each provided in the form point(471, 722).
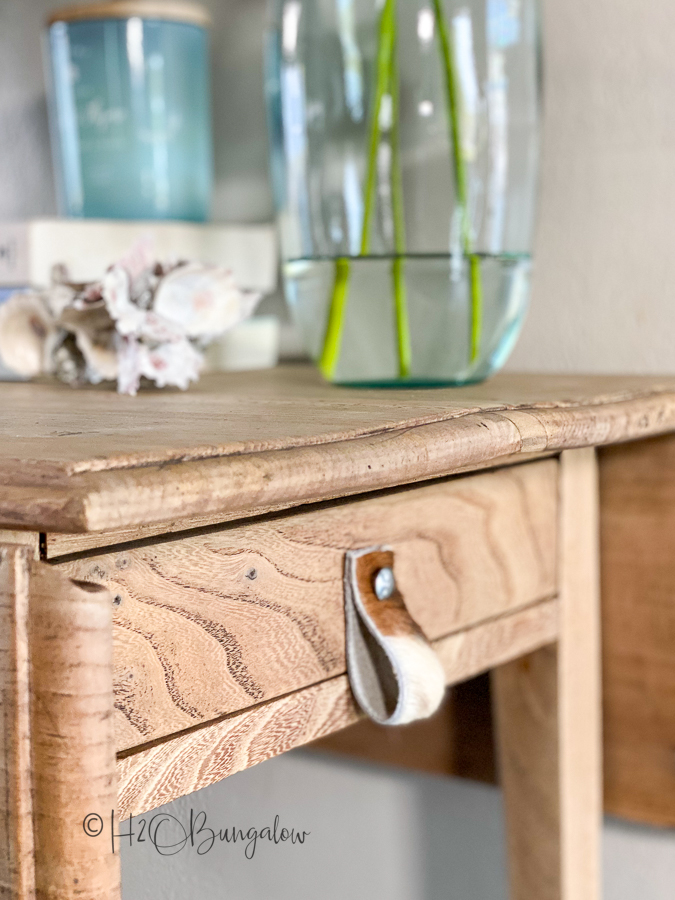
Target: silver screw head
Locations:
point(385, 585)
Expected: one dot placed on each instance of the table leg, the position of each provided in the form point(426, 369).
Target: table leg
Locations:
point(58, 761)
point(17, 864)
point(548, 716)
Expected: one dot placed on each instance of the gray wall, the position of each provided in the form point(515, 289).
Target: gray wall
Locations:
point(604, 290)
point(605, 279)
point(374, 834)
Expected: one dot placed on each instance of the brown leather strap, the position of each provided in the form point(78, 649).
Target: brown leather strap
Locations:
point(394, 672)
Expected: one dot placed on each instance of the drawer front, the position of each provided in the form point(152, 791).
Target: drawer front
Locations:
point(214, 622)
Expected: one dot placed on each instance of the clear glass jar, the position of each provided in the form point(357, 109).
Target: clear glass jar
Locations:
point(405, 138)
point(130, 109)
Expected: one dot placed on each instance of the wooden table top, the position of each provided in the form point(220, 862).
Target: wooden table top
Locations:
point(246, 443)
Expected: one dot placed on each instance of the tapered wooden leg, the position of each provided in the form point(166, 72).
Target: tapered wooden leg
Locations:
point(74, 768)
point(57, 754)
point(548, 716)
point(17, 872)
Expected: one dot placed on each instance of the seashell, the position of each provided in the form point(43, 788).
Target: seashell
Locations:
point(175, 364)
point(117, 298)
point(58, 298)
point(101, 359)
point(159, 330)
point(96, 339)
point(142, 320)
point(70, 365)
point(130, 366)
point(28, 335)
point(204, 301)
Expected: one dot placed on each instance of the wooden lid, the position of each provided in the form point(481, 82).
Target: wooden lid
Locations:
point(173, 10)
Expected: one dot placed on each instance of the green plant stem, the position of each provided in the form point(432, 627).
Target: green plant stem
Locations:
point(398, 210)
point(476, 305)
point(330, 353)
point(461, 180)
point(385, 60)
point(387, 79)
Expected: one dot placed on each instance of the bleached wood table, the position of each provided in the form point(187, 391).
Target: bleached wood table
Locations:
point(171, 593)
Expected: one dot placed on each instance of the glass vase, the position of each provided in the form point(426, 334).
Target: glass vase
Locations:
point(405, 138)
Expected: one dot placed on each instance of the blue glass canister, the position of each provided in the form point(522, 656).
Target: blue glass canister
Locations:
point(130, 109)
point(405, 142)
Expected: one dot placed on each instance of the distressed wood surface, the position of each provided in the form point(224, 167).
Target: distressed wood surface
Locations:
point(525, 698)
point(109, 462)
point(547, 709)
point(212, 623)
point(179, 765)
point(638, 586)
point(57, 544)
point(277, 409)
point(73, 754)
point(17, 869)
point(580, 678)
point(475, 650)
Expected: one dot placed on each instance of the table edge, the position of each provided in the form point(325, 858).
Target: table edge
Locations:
point(240, 486)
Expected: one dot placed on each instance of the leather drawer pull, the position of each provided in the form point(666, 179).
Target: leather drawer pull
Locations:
point(394, 672)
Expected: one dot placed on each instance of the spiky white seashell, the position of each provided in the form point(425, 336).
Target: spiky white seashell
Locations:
point(204, 301)
point(142, 320)
point(28, 335)
point(176, 363)
point(128, 317)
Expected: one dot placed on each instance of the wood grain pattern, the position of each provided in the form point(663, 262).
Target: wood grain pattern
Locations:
point(17, 868)
point(56, 544)
point(580, 677)
point(213, 623)
point(190, 762)
point(109, 462)
point(233, 413)
point(638, 589)
point(475, 650)
point(525, 697)
point(548, 711)
point(73, 757)
point(179, 765)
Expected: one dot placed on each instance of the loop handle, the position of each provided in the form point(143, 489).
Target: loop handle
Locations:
point(394, 672)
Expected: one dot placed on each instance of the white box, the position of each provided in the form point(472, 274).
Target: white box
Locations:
point(29, 250)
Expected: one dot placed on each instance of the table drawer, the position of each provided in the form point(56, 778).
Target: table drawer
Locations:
point(217, 621)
